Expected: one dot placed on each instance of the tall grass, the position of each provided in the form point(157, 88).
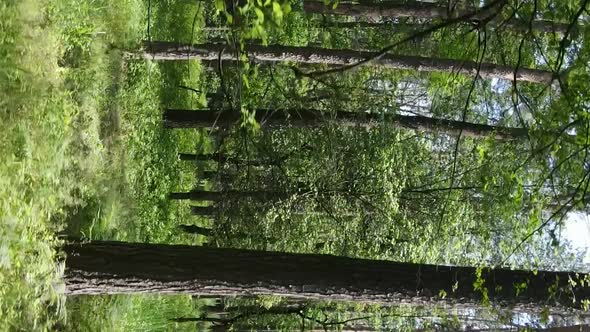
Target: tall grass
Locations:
point(84, 153)
point(37, 131)
point(132, 313)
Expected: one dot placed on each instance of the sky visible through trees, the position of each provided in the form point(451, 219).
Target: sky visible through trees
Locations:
point(293, 165)
point(577, 230)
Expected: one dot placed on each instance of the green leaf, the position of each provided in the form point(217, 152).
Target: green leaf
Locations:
point(259, 14)
point(286, 8)
point(219, 6)
point(277, 12)
point(245, 8)
point(245, 80)
point(229, 18)
point(202, 100)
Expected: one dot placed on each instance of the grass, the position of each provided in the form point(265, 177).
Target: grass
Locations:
point(84, 153)
point(132, 313)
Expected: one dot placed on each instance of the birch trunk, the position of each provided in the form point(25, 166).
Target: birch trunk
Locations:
point(159, 50)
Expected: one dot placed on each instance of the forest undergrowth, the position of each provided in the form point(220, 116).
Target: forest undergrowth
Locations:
point(95, 148)
point(85, 152)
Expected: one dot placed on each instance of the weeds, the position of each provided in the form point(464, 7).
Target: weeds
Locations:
point(84, 152)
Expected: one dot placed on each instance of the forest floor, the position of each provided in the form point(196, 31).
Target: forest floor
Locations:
point(85, 153)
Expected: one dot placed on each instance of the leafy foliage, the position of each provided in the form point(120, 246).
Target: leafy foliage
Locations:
point(254, 19)
point(85, 153)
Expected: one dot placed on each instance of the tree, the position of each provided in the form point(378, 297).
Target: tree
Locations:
point(203, 210)
point(204, 195)
point(222, 159)
point(160, 50)
point(314, 118)
point(200, 157)
point(196, 230)
point(375, 11)
point(574, 328)
point(118, 267)
point(413, 27)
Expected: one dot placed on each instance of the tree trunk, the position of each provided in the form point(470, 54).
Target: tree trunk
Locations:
point(215, 28)
point(544, 26)
point(214, 157)
point(202, 157)
point(118, 267)
point(573, 328)
point(210, 175)
point(243, 314)
point(196, 230)
point(204, 195)
point(159, 50)
point(220, 158)
point(378, 11)
point(314, 118)
point(203, 210)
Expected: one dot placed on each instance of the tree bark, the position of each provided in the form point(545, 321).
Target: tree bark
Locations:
point(314, 118)
point(210, 175)
point(220, 158)
point(573, 328)
point(544, 26)
point(196, 230)
point(376, 11)
point(203, 210)
point(244, 313)
point(159, 50)
point(118, 267)
point(217, 157)
point(421, 10)
point(203, 195)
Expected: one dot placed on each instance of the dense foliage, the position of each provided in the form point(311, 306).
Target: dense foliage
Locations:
point(86, 155)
